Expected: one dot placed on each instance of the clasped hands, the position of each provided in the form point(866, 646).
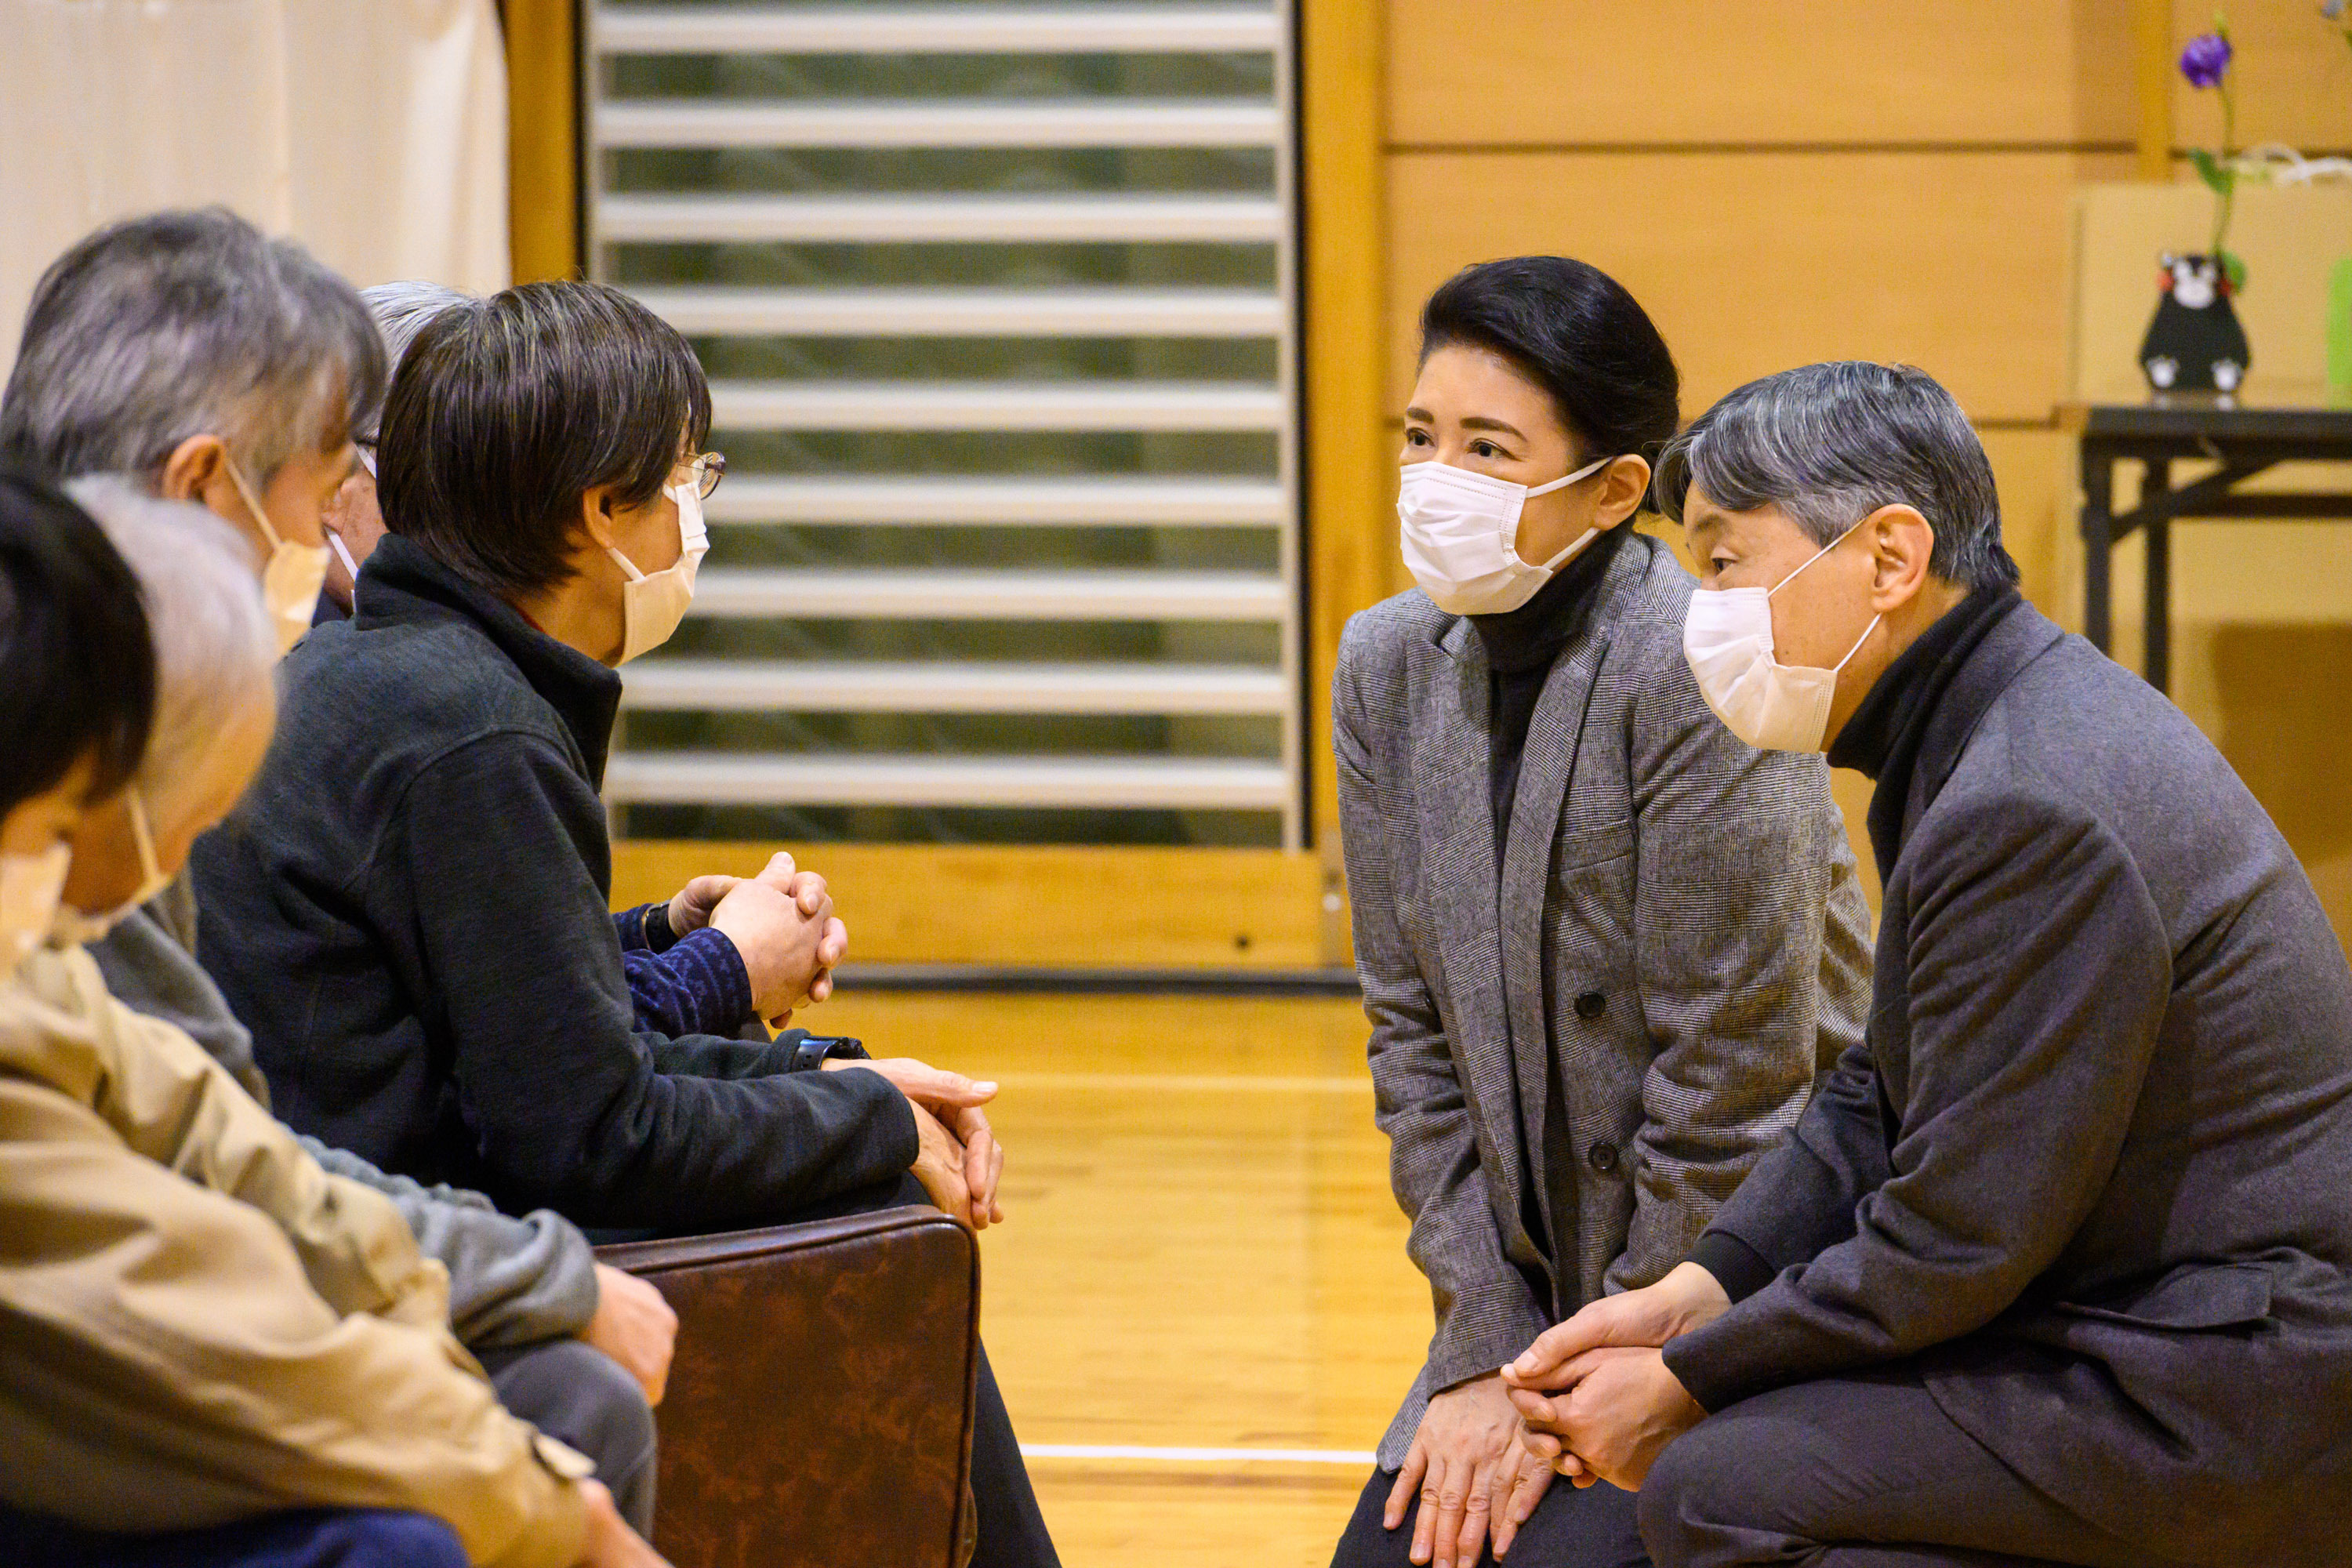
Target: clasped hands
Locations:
point(782, 925)
point(1594, 1391)
point(1591, 1400)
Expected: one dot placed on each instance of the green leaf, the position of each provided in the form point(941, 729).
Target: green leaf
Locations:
point(2210, 170)
point(2233, 268)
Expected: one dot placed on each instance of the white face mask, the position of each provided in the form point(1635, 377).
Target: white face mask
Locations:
point(30, 886)
point(1727, 638)
point(1460, 534)
point(71, 928)
point(653, 603)
point(290, 583)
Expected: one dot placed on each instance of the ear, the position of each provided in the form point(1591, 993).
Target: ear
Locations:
point(1902, 543)
point(597, 505)
point(1623, 483)
point(194, 466)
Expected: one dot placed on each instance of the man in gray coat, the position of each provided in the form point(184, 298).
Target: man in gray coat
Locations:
point(2058, 1267)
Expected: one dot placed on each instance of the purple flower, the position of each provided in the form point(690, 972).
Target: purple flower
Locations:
point(2332, 9)
point(2205, 59)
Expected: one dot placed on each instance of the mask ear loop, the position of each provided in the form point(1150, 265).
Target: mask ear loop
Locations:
point(1585, 472)
point(245, 494)
point(1816, 554)
point(350, 567)
point(1857, 645)
point(1562, 482)
point(150, 866)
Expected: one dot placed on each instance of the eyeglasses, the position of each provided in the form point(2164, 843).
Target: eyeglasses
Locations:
point(709, 468)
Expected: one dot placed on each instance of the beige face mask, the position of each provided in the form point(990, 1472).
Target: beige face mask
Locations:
point(29, 888)
point(69, 927)
point(654, 603)
point(290, 583)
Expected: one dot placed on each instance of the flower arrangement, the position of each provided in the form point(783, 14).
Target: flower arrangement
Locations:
point(2205, 62)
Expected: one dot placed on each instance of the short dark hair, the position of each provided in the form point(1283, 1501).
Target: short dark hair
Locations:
point(186, 323)
point(507, 410)
point(76, 665)
point(1830, 443)
point(1573, 331)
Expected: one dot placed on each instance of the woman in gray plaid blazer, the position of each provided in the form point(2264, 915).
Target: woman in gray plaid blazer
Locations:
point(1605, 946)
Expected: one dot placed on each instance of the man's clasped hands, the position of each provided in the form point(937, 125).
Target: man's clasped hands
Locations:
point(781, 923)
point(1591, 1400)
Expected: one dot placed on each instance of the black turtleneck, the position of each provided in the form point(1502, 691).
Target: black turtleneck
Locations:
point(1520, 646)
point(1882, 739)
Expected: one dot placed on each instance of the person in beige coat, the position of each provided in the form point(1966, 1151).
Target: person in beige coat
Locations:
point(210, 1347)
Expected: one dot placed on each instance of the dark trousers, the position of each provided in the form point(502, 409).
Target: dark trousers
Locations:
point(1569, 1529)
point(1864, 1471)
point(580, 1398)
point(312, 1538)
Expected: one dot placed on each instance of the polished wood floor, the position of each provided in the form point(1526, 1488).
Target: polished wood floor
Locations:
point(1200, 1253)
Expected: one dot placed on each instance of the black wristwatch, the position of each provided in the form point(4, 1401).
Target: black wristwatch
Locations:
point(814, 1051)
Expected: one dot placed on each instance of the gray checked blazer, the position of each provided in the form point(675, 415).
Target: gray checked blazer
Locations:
point(1679, 928)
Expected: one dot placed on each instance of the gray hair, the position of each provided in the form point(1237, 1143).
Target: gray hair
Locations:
point(1830, 443)
point(401, 311)
point(215, 649)
point(180, 324)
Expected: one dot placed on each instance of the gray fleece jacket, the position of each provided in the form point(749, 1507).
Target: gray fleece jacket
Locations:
point(511, 1281)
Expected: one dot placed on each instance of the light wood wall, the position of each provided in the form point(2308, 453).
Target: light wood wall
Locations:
point(1800, 179)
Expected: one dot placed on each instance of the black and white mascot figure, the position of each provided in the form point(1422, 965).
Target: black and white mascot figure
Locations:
point(2195, 344)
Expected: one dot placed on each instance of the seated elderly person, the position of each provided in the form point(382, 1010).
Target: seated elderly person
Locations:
point(2058, 1266)
point(578, 1348)
point(190, 356)
point(216, 1352)
point(411, 910)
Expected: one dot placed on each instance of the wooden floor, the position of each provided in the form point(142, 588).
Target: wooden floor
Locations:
point(1200, 1253)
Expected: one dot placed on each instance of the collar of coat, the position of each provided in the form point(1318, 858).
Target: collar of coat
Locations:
point(1618, 588)
point(404, 585)
point(2007, 634)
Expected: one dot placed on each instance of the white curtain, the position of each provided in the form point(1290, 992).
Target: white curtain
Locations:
point(374, 131)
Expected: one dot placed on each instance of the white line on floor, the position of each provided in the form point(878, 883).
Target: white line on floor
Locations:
point(1196, 1455)
point(1183, 1083)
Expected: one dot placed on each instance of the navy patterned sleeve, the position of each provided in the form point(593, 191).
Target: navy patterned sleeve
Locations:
point(697, 986)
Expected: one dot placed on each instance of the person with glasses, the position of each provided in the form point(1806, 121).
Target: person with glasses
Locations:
point(410, 910)
point(684, 978)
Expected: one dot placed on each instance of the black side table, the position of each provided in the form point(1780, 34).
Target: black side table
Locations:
point(2243, 440)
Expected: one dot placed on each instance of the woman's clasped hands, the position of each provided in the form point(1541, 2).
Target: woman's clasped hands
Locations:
point(1599, 1402)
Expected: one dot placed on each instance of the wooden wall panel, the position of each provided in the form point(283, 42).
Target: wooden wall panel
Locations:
point(989, 904)
point(1754, 262)
point(2293, 75)
point(1345, 294)
point(542, 138)
point(1784, 71)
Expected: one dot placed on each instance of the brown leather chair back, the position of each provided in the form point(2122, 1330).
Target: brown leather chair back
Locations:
point(820, 1406)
